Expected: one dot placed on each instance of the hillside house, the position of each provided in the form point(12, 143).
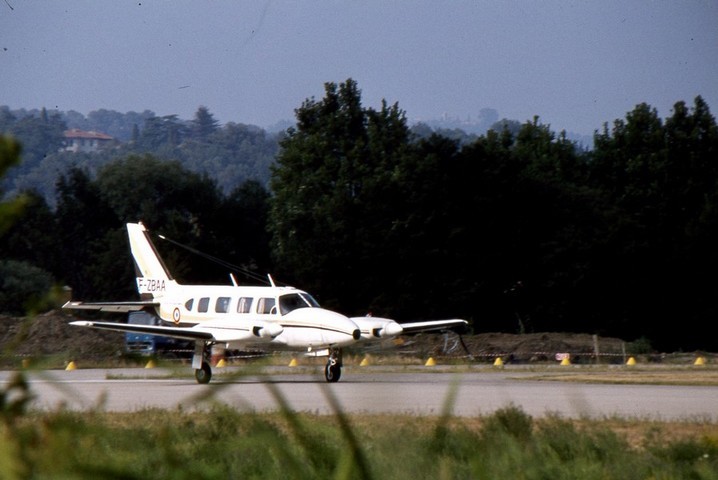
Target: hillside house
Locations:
point(77, 140)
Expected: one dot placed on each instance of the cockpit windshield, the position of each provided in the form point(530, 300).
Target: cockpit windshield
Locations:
point(293, 301)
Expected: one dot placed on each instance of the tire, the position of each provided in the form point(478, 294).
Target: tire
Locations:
point(204, 374)
point(332, 372)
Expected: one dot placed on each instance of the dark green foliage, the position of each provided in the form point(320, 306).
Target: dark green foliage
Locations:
point(519, 230)
point(9, 210)
point(203, 124)
point(22, 286)
point(334, 196)
point(84, 220)
point(662, 180)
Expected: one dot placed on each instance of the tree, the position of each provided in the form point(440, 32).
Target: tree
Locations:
point(662, 179)
point(242, 229)
point(9, 156)
point(22, 286)
point(83, 242)
point(40, 136)
point(169, 199)
point(34, 238)
point(161, 134)
point(330, 187)
point(203, 124)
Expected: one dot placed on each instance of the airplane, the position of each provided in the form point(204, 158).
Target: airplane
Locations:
point(220, 317)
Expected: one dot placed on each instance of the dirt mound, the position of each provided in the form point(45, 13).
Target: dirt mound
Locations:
point(545, 346)
point(530, 347)
point(50, 334)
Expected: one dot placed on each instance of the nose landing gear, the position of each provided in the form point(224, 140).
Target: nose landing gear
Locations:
point(333, 369)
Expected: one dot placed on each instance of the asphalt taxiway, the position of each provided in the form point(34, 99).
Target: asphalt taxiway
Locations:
point(367, 391)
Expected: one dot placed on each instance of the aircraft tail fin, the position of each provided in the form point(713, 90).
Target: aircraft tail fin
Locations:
point(153, 277)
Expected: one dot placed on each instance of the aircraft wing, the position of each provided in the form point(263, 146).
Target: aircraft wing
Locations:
point(373, 328)
point(434, 325)
point(117, 307)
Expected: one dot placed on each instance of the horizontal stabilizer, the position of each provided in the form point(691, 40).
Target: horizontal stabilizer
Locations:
point(173, 332)
point(198, 332)
point(121, 307)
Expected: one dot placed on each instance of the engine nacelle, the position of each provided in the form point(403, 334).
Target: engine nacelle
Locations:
point(267, 330)
point(374, 327)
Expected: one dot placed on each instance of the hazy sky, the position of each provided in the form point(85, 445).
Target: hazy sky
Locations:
point(576, 64)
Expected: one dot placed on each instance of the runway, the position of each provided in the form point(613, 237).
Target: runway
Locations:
point(372, 391)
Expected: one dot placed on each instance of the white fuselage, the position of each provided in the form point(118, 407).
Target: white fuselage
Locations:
point(240, 316)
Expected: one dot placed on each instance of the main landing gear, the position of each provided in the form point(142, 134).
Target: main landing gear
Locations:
point(200, 362)
point(333, 369)
point(204, 373)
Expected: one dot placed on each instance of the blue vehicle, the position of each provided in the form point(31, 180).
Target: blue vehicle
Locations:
point(146, 344)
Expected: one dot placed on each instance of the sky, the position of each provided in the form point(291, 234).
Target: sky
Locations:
point(575, 64)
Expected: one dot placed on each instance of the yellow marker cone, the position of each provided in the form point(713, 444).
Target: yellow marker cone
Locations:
point(71, 366)
point(498, 362)
point(631, 361)
point(565, 361)
point(364, 362)
point(221, 364)
point(430, 362)
point(25, 362)
point(151, 364)
point(700, 361)
point(293, 363)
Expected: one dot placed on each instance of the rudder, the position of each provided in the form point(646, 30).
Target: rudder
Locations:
point(153, 277)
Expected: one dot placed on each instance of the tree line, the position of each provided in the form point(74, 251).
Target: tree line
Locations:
point(519, 230)
point(230, 154)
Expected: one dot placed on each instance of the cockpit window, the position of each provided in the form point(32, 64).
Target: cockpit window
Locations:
point(293, 301)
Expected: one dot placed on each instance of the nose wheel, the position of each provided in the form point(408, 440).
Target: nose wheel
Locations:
point(333, 369)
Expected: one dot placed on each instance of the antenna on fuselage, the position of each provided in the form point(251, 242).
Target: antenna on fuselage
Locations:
point(219, 261)
point(271, 280)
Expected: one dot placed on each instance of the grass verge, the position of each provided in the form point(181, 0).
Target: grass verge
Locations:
point(217, 441)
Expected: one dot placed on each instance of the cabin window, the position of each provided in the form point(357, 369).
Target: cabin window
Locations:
point(266, 306)
point(188, 304)
point(221, 305)
point(244, 305)
point(293, 301)
point(203, 305)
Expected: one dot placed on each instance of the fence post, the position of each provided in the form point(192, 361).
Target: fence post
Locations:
point(595, 348)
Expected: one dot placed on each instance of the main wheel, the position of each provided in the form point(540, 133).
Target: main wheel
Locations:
point(204, 374)
point(333, 371)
